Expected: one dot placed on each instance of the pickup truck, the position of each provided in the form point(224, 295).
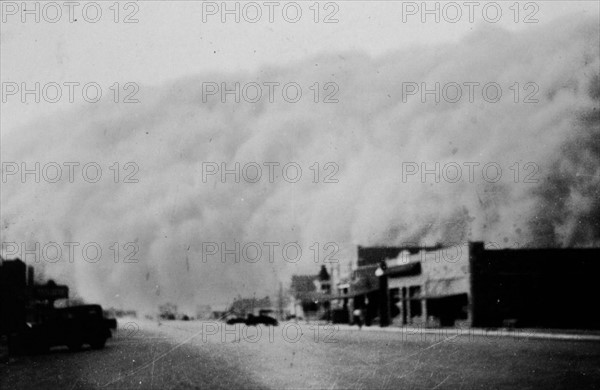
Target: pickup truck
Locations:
point(72, 326)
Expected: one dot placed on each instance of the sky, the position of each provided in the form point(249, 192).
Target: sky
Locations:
point(170, 39)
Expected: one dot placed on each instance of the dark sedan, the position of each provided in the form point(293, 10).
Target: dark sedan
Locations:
point(235, 320)
point(261, 319)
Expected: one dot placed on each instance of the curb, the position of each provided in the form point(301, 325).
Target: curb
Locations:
point(478, 332)
point(4, 352)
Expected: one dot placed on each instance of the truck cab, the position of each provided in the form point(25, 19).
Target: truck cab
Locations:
point(72, 326)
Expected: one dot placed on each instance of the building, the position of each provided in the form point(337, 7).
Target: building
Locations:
point(203, 312)
point(14, 295)
point(22, 301)
point(468, 285)
point(311, 295)
point(552, 288)
point(242, 307)
point(218, 312)
point(427, 285)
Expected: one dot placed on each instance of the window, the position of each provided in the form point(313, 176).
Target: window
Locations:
point(395, 302)
point(414, 293)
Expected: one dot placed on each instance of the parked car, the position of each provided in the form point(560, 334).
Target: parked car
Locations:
point(253, 320)
point(235, 320)
point(72, 326)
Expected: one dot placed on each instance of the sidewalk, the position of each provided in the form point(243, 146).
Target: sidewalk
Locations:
point(3, 349)
point(525, 333)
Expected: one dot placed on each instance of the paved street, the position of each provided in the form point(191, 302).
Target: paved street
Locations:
point(194, 355)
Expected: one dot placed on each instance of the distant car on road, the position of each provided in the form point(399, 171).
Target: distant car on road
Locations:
point(235, 320)
point(253, 320)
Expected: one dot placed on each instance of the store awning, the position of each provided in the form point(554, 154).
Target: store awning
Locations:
point(410, 269)
point(351, 294)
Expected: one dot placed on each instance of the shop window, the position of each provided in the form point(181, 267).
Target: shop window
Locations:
point(414, 293)
point(395, 302)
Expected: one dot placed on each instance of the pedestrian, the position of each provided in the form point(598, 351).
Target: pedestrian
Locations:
point(357, 314)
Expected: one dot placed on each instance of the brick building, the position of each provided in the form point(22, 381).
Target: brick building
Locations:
point(468, 285)
point(14, 295)
point(311, 295)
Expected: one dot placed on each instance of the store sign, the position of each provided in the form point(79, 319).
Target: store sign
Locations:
point(51, 292)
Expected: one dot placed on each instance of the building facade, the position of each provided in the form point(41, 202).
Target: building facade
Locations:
point(14, 295)
point(311, 296)
point(468, 285)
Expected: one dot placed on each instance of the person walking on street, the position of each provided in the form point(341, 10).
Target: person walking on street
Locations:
point(358, 320)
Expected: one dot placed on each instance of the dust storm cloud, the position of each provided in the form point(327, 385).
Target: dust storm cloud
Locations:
point(370, 134)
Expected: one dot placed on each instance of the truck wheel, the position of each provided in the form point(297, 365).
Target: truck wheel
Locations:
point(75, 344)
point(98, 343)
point(16, 345)
point(41, 347)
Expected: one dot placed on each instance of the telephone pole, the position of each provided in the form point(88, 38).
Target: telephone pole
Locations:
point(280, 304)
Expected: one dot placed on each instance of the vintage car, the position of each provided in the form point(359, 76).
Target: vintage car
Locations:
point(261, 319)
point(72, 326)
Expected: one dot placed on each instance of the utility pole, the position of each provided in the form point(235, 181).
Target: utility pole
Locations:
point(280, 301)
point(384, 306)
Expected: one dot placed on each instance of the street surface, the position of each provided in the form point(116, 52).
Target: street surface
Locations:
point(207, 355)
